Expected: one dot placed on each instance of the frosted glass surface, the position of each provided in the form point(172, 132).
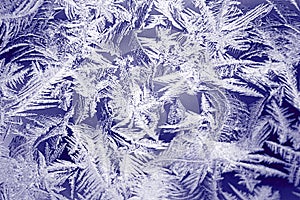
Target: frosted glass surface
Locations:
point(149, 100)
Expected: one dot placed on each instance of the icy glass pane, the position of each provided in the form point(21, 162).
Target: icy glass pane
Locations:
point(149, 99)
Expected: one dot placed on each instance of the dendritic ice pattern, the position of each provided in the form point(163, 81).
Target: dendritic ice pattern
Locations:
point(149, 99)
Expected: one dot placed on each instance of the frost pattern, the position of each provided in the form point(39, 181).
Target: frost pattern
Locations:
point(149, 99)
